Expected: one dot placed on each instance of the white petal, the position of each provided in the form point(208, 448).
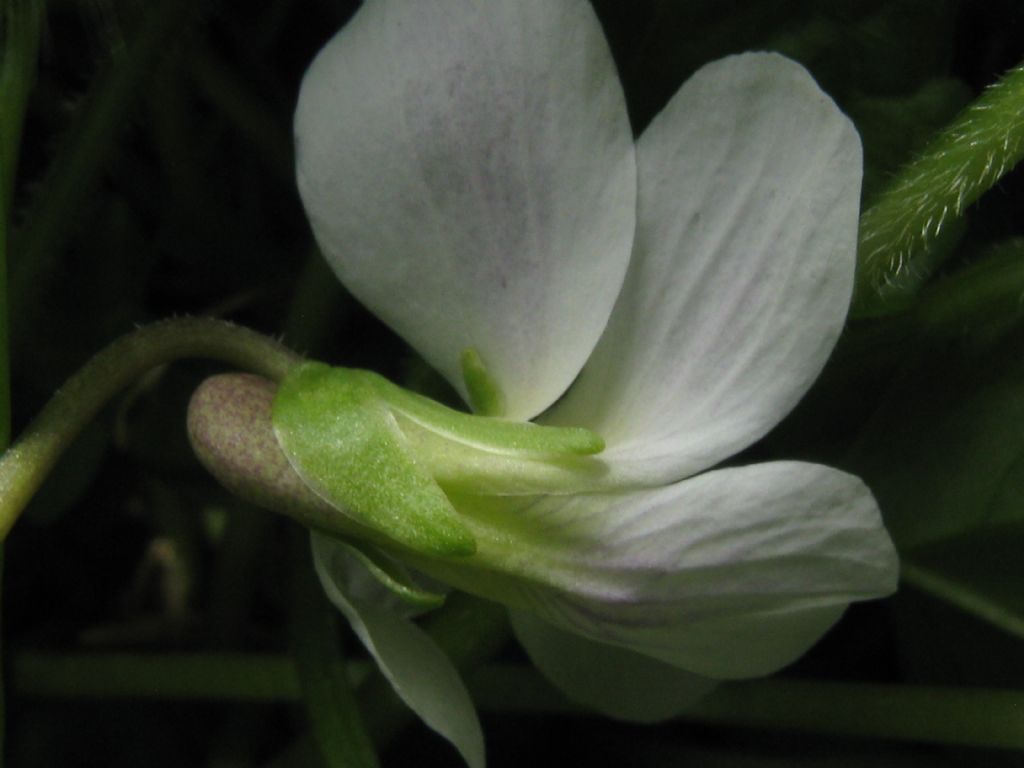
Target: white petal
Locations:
point(613, 681)
point(741, 274)
point(469, 172)
point(418, 670)
point(392, 588)
point(733, 573)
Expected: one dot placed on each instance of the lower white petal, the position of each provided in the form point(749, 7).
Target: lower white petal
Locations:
point(613, 681)
point(418, 670)
point(733, 573)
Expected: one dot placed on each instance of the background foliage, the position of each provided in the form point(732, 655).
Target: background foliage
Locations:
point(155, 179)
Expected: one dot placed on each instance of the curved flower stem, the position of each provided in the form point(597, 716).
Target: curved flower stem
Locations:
point(898, 233)
point(26, 464)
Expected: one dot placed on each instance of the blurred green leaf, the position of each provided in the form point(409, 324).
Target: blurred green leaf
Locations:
point(978, 303)
point(902, 45)
point(944, 455)
point(938, 450)
point(979, 572)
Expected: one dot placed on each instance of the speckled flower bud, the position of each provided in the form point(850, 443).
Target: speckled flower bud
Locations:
point(231, 432)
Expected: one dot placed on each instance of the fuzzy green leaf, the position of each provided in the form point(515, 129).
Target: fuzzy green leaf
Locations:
point(956, 421)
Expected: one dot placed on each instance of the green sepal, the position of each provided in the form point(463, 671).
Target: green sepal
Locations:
point(392, 575)
point(485, 396)
point(343, 441)
point(518, 438)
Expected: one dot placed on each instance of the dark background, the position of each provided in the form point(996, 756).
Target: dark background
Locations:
point(183, 202)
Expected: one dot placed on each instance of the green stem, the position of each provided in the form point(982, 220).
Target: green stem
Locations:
point(898, 234)
point(4, 683)
point(330, 700)
point(71, 176)
point(312, 320)
point(27, 463)
point(981, 717)
point(978, 717)
point(964, 716)
point(23, 19)
point(158, 676)
point(234, 583)
point(960, 594)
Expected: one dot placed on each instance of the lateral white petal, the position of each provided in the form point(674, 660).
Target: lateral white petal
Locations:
point(421, 674)
point(469, 172)
point(610, 680)
point(732, 573)
point(741, 274)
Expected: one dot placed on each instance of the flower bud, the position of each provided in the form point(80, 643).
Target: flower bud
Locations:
point(229, 426)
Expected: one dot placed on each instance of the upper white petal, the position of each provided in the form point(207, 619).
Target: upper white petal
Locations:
point(469, 172)
point(732, 573)
point(422, 676)
point(741, 274)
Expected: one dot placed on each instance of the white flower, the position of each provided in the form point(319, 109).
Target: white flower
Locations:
point(471, 175)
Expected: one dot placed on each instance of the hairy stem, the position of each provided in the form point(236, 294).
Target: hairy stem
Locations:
point(27, 463)
point(900, 232)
